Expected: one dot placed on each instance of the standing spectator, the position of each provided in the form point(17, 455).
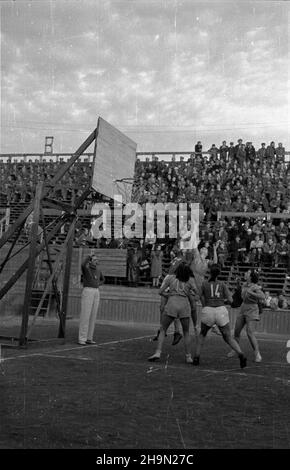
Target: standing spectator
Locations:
point(198, 149)
point(237, 250)
point(238, 150)
point(213, 151)
point(261, 154)
point(250, 152)
point(156, 265)
point(280, 153)
point(92, 279)
point(282, 253)
point(231, 152)
point(271, 151)
point(133, 265)
point(224, 151)
point(233, 231)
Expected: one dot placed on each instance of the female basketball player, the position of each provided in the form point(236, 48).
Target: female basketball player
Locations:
point(214, 312)
point(252, 294)
point(180, 290)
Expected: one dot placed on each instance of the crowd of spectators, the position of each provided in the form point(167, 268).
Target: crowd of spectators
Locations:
point(225, 178)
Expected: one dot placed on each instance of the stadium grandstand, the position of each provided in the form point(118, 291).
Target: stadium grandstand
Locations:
point(243, 196)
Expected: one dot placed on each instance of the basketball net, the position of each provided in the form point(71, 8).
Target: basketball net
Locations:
point(124, 188)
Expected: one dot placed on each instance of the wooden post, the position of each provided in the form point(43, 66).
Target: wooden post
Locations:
point(66, 281)
point(31, 265)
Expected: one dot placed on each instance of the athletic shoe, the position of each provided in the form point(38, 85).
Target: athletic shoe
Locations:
point(232, 353)
point(176, 338)
point(258, 357)
point(90, 341)
point(195, 361)
point(243, 361)
point(82, 343)
point(188, 359)
point(154, 358)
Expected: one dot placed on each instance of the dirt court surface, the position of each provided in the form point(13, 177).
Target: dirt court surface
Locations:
point(57, 395)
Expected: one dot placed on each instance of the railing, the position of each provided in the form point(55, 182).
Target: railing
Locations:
point(88, 157)
point(4, 222)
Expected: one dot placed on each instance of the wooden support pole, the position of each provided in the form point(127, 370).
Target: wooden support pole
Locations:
point(46, 190)
point(66, 281)
point(23, 267)
point(22, 218)
point(75, 156)
point(50, 282)
point(31, 264)
point(7, 257)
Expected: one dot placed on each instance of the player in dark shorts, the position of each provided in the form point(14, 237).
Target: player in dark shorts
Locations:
point(214, 312)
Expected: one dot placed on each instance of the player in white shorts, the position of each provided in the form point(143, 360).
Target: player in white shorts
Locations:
point(214, 312)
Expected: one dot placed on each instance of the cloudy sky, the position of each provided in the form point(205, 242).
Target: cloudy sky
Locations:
point(167, 73)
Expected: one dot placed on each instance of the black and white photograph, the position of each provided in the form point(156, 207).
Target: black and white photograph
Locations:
point(145, 230)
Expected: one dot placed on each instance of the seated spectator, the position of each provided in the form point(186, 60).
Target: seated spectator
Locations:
point(282, 302)
point(268, 299)
point(83, 237)
point(269, 252)
point(281, 231)
point(222, 252)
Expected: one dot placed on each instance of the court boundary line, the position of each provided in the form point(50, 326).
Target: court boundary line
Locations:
point(75, 348)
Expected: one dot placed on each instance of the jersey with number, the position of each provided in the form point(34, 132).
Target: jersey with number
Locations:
point(215, 293)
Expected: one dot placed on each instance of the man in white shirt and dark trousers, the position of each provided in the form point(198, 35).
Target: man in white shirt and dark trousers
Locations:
point(92, 278)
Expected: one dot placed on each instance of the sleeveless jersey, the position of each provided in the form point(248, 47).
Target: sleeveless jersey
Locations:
point(215, 293)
